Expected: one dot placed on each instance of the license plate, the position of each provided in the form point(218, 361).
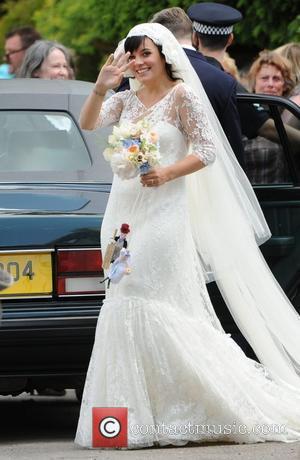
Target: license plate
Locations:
point(32, 273)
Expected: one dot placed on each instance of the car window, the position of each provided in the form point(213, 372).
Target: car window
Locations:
point(41, 141)
point(274, 158)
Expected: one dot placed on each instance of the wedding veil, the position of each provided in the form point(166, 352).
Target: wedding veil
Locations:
point(228, 225)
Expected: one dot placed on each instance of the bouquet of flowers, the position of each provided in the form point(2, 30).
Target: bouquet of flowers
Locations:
point(133, 149)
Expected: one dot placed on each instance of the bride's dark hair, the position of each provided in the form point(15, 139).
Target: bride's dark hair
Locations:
point(132, 43)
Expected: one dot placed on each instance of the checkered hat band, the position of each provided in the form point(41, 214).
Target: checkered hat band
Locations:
point(212, 30)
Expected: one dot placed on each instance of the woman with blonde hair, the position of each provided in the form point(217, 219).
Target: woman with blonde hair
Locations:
point(271, 74)
point(291, 51)
point(230, 66)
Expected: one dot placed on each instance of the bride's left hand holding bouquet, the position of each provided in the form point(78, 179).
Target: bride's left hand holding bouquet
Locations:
point(133, 149)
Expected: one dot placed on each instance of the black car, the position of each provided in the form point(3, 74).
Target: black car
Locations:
point(54, 185)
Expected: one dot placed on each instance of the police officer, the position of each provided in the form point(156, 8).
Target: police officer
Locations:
point(220, 87)
point(213, 34)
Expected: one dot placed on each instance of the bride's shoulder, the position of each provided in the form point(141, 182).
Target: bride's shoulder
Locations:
point(120, 95)
point(183, 91)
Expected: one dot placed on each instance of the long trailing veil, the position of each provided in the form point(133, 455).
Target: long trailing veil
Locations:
point(228, 225)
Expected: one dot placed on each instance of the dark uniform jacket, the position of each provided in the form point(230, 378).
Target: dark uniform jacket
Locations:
point(251, 117)
point(221, 90)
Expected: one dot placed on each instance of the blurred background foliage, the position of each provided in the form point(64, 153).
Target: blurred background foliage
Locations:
point(92, 28)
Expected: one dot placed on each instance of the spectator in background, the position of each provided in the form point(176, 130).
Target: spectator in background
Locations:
point(17, 41)
point(291, 51)
point(271, 74)
point(229, 65)
point(4, 72)
point(47, 59)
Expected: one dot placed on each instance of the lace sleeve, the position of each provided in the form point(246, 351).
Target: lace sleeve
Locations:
point(195, 125)
point(111, 109)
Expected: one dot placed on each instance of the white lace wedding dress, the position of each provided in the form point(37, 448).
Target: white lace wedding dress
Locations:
point(159, 348)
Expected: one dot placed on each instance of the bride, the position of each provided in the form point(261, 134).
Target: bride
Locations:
point(160, 350)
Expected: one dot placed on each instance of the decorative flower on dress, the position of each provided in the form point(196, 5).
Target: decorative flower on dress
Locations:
point(133, 149)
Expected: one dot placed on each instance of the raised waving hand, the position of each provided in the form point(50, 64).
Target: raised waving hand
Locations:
point(112, 72)
point(110, 77)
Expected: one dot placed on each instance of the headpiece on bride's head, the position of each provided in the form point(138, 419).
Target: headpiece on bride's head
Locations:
point(162, 38)
point(133, 43)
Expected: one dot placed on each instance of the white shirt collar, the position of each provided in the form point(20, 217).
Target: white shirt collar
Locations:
point(189, 47)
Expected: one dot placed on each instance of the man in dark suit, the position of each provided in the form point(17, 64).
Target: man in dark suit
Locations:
point(219, 86)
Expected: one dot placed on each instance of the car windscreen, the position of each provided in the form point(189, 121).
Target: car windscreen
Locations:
point(41, 141)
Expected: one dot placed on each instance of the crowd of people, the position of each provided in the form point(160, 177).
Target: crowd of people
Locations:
point(275, 72)
point(250, 130)
point(27, 55)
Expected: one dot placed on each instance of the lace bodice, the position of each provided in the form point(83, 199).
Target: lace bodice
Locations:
point(180, 108)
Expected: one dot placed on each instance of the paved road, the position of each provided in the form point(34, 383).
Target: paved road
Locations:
point(38, 428)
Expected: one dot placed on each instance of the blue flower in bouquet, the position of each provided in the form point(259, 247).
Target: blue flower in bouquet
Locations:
point(145, 168)
point(133, 149)
point(129, 142)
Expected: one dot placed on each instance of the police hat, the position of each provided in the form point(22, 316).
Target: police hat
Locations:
point(213, 18)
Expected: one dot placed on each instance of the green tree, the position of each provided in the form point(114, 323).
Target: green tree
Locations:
point(266, 24)
point(92, 28)
point(17, 13)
